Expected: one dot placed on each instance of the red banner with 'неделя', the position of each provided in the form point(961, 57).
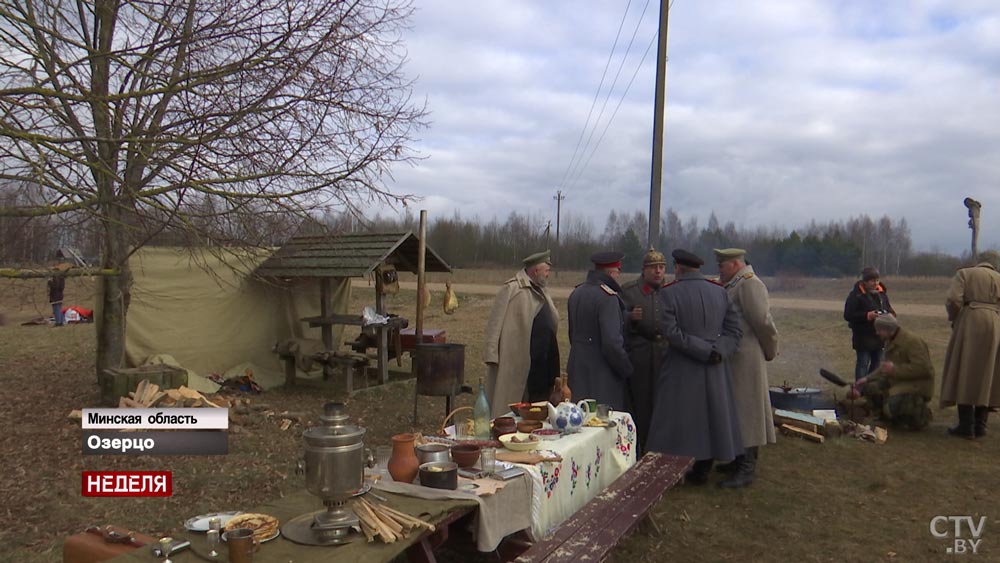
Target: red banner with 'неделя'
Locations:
point(127, 484)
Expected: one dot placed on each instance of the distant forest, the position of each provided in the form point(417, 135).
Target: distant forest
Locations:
point(833, 249)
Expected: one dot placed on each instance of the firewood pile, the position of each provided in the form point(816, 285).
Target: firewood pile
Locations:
point(385, 522)
point(149, 395)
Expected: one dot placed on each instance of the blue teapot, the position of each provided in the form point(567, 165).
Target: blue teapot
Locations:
point(568, 417)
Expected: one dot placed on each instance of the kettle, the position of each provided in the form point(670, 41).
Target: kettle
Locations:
point(568, 417)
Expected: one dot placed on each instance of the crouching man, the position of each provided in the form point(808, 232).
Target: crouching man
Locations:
point(900, 388)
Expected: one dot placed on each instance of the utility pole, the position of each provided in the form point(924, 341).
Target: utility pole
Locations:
point(656, 174)
point(974, 207)
point(558, 197)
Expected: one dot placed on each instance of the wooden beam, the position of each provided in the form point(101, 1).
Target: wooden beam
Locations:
point(16, 273)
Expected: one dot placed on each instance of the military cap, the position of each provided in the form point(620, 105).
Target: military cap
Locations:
point(653, 258)
point(886, 322)
point(609, 259)
point(724, 254)
point(685, 258)
point(538, 258)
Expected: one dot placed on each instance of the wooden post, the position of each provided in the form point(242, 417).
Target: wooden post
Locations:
point(418, 332)
point(325, 311)
point(380, 330)
point(974, 207)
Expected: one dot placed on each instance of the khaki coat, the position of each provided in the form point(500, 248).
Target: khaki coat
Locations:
point(913, 372)
point(508, 340)
point(972, 361)
point(758, 346)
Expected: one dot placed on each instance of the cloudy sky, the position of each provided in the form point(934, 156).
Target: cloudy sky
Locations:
point(778, 112)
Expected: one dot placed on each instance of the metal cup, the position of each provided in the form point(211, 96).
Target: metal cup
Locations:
point(603, 412)
point(242, 545)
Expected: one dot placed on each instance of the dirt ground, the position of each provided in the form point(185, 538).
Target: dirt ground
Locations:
point(844, 500)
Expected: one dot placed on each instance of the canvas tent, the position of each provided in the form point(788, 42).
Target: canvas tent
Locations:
point(211, 315)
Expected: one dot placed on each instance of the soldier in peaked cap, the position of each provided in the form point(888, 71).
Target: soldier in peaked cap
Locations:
point(598, 364)
point(694, 413)
point(644, 337)
point(758, 346)
point(523, 318)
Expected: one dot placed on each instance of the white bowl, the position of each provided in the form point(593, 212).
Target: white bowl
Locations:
point(527, 444)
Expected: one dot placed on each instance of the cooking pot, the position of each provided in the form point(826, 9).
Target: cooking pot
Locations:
point(439, 475)
point(427, 453)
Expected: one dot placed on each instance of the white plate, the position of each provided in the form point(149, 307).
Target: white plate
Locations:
point(200, 523)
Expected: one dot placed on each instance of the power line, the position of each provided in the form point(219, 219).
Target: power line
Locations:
point(615, 81)
point(613, 114)
point(596, 95)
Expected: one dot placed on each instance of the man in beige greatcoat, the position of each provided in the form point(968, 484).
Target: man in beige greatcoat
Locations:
point(758, 346)
point(521, 352)
point(972, 362)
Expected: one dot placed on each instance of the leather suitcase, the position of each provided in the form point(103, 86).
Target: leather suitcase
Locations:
point(102, 543)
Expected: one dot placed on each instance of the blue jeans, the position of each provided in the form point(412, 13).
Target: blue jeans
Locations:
point(57, 314)
point(866, 363)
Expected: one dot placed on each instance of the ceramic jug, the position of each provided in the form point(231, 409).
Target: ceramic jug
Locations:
point(566, 417)
point(403, 465)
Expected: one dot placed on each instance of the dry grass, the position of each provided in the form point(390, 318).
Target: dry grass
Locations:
point(841, 501)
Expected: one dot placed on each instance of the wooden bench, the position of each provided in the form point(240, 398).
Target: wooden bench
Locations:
point(591, 533)
point(348, 364)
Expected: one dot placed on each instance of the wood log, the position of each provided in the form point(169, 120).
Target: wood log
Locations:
point(802, 433)
point(416, 522)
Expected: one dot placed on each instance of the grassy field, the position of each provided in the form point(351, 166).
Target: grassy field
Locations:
point(844, 500)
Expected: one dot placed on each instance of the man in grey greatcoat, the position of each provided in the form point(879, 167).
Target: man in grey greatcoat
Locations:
point(644, 338)
point(598, 365)
point(758, 346)
point(694, 412)
point(521, 351)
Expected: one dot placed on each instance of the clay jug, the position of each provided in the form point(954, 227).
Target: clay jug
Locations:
point(403, 464)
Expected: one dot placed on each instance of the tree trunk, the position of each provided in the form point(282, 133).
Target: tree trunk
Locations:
point(114, 297)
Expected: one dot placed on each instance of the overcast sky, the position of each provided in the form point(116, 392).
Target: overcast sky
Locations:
point(778, 112)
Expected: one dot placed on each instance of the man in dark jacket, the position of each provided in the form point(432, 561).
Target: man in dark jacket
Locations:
point(644, 338)
point(864, 304)
point(57, 284)
point(694, 413)
point(598, 365)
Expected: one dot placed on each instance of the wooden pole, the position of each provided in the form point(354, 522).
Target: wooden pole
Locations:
point(418, 333)
point(325, 311)
point(656, 172)
point(381, 330)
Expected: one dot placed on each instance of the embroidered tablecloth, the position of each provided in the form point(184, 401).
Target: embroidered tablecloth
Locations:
point(591, 460)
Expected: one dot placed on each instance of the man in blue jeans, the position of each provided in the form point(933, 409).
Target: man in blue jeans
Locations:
point(57, 284)
point(867, 300)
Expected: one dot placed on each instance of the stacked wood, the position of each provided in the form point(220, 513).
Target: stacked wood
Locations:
point(385, 522)
point(149, 395)
point(790, 430)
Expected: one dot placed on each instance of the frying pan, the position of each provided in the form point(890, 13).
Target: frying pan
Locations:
point(832, 377)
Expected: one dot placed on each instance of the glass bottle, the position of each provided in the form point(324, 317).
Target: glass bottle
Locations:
point(481, 414)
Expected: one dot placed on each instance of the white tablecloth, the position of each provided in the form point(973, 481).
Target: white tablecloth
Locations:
point(591, 460)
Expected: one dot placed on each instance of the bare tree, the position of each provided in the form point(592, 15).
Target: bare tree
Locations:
point(128, 111)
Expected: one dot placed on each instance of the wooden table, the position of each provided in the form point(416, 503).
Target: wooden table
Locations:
point(418, 546)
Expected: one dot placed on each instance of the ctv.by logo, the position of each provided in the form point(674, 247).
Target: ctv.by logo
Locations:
point(955, 527)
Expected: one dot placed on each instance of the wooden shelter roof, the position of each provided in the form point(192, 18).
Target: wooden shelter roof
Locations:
point(351, 255)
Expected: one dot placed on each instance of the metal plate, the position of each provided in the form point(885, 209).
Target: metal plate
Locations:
point(200, 523)
point(300, 530)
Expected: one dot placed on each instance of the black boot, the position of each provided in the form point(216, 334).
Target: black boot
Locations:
point(728, 468)
point(981, 414)
point(746, 466)
point(966, 420)
point(699, 473)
